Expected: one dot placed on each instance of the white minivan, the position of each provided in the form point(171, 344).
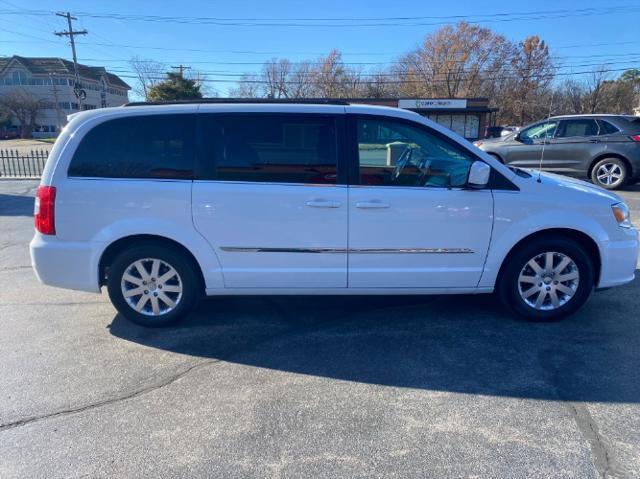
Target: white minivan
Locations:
point(163, 204)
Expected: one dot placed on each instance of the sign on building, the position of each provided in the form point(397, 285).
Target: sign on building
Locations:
point(431, 104)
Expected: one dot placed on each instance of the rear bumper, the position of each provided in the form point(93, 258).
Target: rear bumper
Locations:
point(619, 261)
point(64, 264)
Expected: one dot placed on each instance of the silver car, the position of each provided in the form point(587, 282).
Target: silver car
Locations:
point(603, 148)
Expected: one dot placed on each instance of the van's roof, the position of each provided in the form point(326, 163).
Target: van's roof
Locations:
point(142, 108)
point(199, 101)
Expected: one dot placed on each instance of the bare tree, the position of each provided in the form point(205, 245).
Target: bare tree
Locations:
point(530, 82)
point(301, 81)
point(25, 106)
point(275, 75)
point(202, 81)
point(570, 95)
point(454, 61)
point(595, 88)
point(329, 75)
point(148, 74)
point(248, 87)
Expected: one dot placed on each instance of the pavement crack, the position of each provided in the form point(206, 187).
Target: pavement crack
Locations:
point(589, 429)
point(555, 364)
point(105, 402)
point(14, 268)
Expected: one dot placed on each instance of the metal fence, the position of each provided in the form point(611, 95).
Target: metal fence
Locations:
point(22, 164)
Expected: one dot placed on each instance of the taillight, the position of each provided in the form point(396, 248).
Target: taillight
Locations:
point(635, 137)
point(43, 213)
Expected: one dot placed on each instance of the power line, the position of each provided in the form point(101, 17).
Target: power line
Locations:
point(400, 81)
point(305, 62)
point(353, 21)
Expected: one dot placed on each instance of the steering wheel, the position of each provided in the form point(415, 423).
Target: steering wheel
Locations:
point(402, 162)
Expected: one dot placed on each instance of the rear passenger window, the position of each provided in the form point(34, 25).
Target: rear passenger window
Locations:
point(153, 146)
point(607, 128)
point(582, 127)
point(270, 148)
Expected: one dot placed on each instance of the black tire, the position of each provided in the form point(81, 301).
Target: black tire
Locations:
point(187, 280)
point(508, 287)
point(619, 167)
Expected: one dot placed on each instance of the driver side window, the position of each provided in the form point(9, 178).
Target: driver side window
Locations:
point(397, 154)
point(539, 131)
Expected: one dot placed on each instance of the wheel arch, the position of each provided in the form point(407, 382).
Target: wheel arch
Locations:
point(583, 239)
point(121, 244)
point(497, 156)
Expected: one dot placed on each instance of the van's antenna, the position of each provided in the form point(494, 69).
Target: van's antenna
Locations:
point(544, 142)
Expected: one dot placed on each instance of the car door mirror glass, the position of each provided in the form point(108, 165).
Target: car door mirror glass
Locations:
point(479, 174)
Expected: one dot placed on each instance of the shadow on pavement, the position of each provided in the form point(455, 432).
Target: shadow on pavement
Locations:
point(16, 205)
point(464, 344)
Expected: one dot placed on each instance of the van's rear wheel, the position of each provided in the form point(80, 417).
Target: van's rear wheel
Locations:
point(547, 279)
point(153, 285)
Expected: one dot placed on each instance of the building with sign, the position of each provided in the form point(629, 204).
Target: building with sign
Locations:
point(52, 80)
point(468, 117)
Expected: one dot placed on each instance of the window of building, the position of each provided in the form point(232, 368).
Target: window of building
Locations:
point(158, 146)
point(270, 148)
point(397, 154)
point(19, 77)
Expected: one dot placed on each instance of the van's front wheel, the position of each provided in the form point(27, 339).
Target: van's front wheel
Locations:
point(153, 285)
point(547, 279)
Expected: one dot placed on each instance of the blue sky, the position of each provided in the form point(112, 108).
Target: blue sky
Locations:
point(578, 36)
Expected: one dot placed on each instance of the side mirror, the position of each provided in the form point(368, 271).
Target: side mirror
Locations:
point(479, 174)
point(517, 137)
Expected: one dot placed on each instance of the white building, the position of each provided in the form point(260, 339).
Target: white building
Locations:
point(52, 80)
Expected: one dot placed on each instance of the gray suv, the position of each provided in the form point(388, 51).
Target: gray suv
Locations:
point(604, 148)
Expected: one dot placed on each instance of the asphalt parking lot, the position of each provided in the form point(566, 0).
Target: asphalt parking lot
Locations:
point(289, 387)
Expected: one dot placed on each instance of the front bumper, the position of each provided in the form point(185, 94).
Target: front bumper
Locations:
point(64, 264)
point(619, 260)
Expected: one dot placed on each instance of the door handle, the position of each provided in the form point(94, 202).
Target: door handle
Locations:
point(371, 205)
point(323, 204)
point(594, 140)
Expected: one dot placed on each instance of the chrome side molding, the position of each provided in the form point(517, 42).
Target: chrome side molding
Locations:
point(241, 249)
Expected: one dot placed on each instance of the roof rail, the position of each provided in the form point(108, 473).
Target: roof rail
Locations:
point(308, 101)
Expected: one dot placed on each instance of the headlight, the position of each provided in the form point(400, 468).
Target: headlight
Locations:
point(621, 214)
point(477, 143)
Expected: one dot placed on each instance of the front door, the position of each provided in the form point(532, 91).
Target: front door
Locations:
point(412, 224)
point(576, 142)
point(533, 146)
point(268, 200)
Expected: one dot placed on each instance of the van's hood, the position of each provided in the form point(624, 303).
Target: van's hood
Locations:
point(575, 184)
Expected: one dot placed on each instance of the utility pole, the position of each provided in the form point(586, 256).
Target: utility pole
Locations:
point(54, 90)
point(71, 33)
point(181, 67)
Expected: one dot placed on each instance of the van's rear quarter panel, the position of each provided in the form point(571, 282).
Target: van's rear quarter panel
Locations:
point(86, 209)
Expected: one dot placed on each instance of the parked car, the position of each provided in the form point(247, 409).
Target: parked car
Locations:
point(10, 133)
point(508, 130)
point(165, 203)
point(493, 131)
point(603, 148)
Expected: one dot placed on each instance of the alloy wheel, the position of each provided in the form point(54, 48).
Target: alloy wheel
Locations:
point(609, 174)
point(151, 287)
point(548, 281)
